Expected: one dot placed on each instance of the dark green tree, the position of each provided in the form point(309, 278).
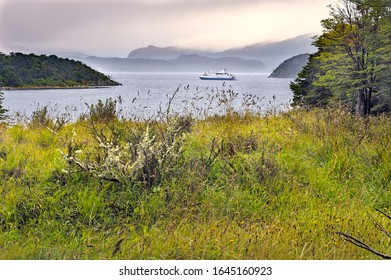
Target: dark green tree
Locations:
point(353, 62)
point(305, 92)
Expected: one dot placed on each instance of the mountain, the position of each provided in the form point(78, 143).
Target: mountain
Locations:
point(258, 58)
point(153, 52)
point(273, 53)
point(269, 53)
point(37, 71)
point(183, 63)
point(291, 67)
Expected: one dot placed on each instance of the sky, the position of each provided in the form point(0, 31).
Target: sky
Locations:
point(115, 27)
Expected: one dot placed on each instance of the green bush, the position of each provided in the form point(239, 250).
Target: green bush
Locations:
point(3, 111)
point(102, 111)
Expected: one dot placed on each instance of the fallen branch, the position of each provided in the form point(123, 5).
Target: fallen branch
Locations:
point(362, 245)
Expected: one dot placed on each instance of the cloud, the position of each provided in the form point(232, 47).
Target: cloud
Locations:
point(43, 22)
point(32, 21)
point(115, 25)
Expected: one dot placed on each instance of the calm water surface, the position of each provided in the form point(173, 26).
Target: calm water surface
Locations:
point(144, 94)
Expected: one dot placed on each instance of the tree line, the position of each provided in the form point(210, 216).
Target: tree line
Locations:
point(353, 63)
point(30, 70)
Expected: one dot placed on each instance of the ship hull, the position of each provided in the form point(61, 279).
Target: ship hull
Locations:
point(217, 78)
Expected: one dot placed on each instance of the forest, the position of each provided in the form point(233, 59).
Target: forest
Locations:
point(19, 70)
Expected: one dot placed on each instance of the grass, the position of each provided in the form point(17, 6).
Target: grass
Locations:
point(235, 186)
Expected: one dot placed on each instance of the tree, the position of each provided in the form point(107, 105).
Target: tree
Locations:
point(305, 92)
point(352, 64)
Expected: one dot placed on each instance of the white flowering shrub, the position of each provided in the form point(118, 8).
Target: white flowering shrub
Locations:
point(144, 159)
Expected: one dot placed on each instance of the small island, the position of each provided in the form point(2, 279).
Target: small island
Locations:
point(31, 71)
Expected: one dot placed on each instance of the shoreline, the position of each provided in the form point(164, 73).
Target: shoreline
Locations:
point(54, 87)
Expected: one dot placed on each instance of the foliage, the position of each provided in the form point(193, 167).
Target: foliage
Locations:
point(352, 64)
point(225, 187)
point(3, 111)
point(305, 91)
point(30, 70)
point(138, 159)
point(41, 117)
point(103, 112)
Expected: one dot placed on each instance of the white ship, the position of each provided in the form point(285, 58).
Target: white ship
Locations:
point(221, 75)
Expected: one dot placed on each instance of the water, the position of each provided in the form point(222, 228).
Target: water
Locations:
point(144, 94)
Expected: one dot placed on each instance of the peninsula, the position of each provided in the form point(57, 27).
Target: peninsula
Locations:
point(30, 71)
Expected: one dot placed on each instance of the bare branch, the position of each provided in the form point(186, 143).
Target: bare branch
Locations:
point(362, 245)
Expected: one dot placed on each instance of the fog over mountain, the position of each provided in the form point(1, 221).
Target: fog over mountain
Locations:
point(255, 58)
point(153, 52)
point(271, 54)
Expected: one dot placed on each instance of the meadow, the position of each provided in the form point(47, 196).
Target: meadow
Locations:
point(274, 186)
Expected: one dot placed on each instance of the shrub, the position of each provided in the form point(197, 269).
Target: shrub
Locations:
point(140, 158)
point(41, 117)
point(103, 111)
point(3, 111)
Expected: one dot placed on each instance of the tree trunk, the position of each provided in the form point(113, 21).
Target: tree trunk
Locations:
point(363, 102)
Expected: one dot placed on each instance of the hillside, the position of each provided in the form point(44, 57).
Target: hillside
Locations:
point(19, 70)
point(183, 63)
point(291, 67)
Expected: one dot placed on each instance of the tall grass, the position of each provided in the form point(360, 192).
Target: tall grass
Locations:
point(228, 186)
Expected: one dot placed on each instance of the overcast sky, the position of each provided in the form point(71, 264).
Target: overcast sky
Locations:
point(115, 27)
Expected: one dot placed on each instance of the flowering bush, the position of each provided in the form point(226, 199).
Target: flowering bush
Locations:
point(144, 159)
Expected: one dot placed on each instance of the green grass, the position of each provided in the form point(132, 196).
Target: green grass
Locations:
point(239, 187)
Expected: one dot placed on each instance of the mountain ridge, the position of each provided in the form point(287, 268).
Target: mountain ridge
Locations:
point(271, 54)
point(258, 57)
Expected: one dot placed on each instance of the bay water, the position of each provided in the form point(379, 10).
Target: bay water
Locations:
point(143, 95)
